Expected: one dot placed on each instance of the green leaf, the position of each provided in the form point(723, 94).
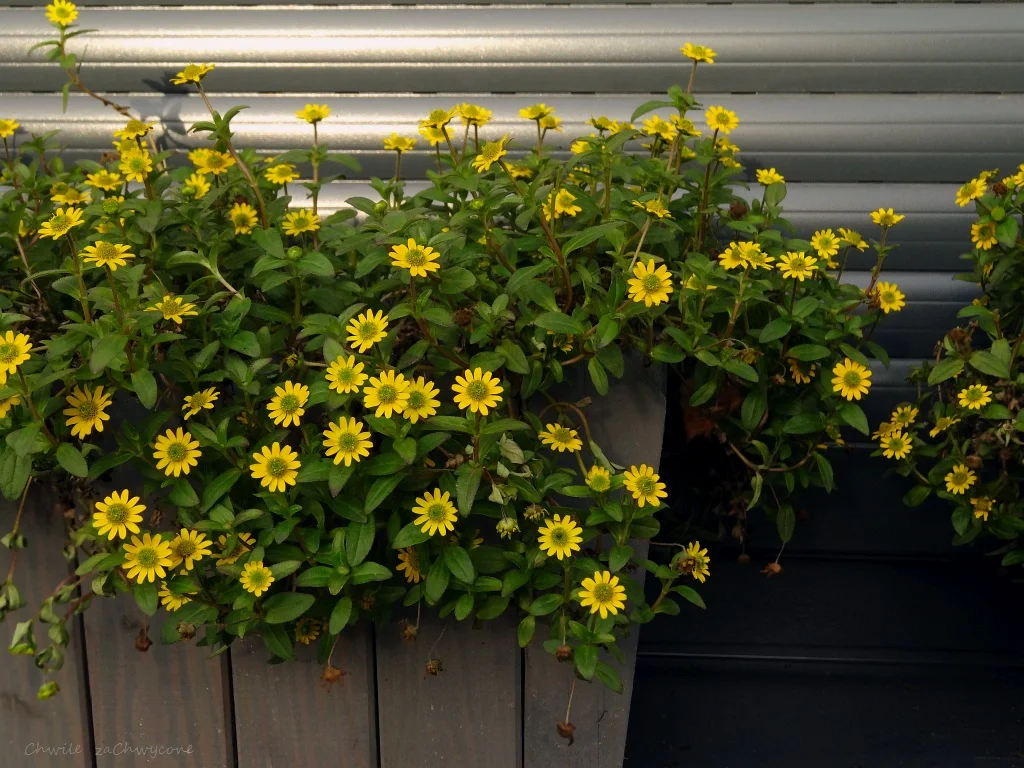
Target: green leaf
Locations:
point(589, 235)
point(703, 393)
point(807, 352)
point(776, 329)
point(23, 441)
point(515, 359)
point(146, 596)
point(785, 522)
point(278, 642)
point(852, 414)
point(584, 658)
point(382, 488)
point(218, 487)
point(406, 448)
point(183, 494)
point(340, 615)
point(545, 604)
point(690, 594)
point(605, 672)
point(741, 369)
point(619, 556)
point(359, 540)
point(409, 536)
point(986, 362)
point(286, 607)
point(244, 342)
point(316, 263)
point(71, 459)
point(270, 241)
point(559, 322)
point(467, 484)
point(104, 350)
point(458, 562)
point(145, 387)
point(456, 280)
point(947, 369)
point(367, 572)
point(650, 106)
point(803, 424)
point(825, 472)
point(524, 633)
point(996, 411)
point(464, 606)
point(437, 581)
point(754, 405)
point(598, 375)
point(916, 495)
point(668, 353)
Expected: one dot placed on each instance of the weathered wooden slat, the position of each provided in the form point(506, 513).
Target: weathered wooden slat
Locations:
point(469, 715)
point(32, 732)
point(286, 716)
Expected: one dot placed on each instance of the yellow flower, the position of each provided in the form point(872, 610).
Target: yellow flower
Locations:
point(895, 444)
point(583, 144)
point(173, 308)
point(471, 114)
point(14, 350)
point(367, 329)
point(421, 403)
point(134, 129)
point(603, 594)
point(560, 537)
point(136, 165)
point(118, 514)
point(643, 483)
point(560, 203)
point(942, 425)
point(904, 416)
point(435, 136)
point(399, 143)
point(890, 298)
point(656, 126)
point(7, 403)
point(436, 513)
point(851, 380)
point(884, 429)
point(176, 452)
point(517, 171)
point(243, 217)
point(653, 207)
point(732, 257)
point(418, 259)
point(796, 265)
point(188, 548)
point(983, 235)
point(850, 237)
point(314, 113)
point(536, 111)
point(345, 376)
point(769, 176)
point(170, 600)
point(972, 190)
point(196, 186)
point(275, 467)
point(297, 222)
point(61, 222)
point(286, 407)
point(477, 390)
point(695, 562)
point(281, 174)
point(960, 479)
point(346, 441)
point(148, 558)
point(650, 285)
point(721, 119)
point(825, 243)
point(698, 53)
point(61, 13)
point(104, 254)
point(213, 162)
point(598, 479)
point(885, 217)
point(561, 438)
point(243, 543)
point(69, 196)
point(307, 630)
point(409, 562)
point(601, 123)
point(752, 254)
point(388, 393)
point(490, 153)
point(974, 397)
point(551, 123)
point(104, 179)
point(202, 400)
point(8, 127)
point(982, 506)
point(256, 577)
point(193, 73)
point(802, 372)
point(86, 410)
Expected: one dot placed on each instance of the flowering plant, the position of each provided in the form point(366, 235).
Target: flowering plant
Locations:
point(967, 447)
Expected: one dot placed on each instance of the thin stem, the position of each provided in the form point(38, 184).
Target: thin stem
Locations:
point(639, 245)
point(540, 139)
point(316, 178)
point(120, 319)
point(32, 409)
point(14, 530)
point(77, 266)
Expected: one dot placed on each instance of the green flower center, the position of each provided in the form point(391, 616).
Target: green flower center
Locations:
point(87, 410)
point(348, 441)
point(136, 126)
point(137, 164)
point(416, 400)
point(562, 435)
point(240, 219)
point(416, 258)
point(645, 485)
point(477, 390)
point(198, 400)
point(111, 207)
point(851, 379)
point(652, 283)
point(59, 188)
point(215, 161)
point(289, 404)
point(559, 536)
point(177, 451)
point(106, 251)
point(59, 222)
point(387, 394)
point(959, 477)
point(603, 593)
point(147, 557)
point(599, 482)
point(117, 513)
point(190, 71)
point(276, 467)
point(345, 376)
point(974, 394)
point(186, 548)
point(437, 513)
point(257, 578)
point(368, 330)
point(888, 297)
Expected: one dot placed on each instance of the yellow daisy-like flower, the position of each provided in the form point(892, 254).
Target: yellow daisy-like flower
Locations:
point(695, 562)
point(942, 425)
point(8, 127)
point(256, 577)
point(551, 123)
point(490, 153)
point(754, 256)
point(561, 438)
point(399, 144)
point(61, 13)
point(86, 410)
point(196, 186)
point(477, 390)
point(886, 217)
point(7, 403)
point(214, 162)
point(70, 196)
point(148, 558)
point(884, 429)
point(418, 259)
point(598, 479)
point(435, 136)
point(170, 600)
point(655, 125)
point(346, 441)
point(851, 380)
point(439, 118)
point(435, 512)
point(904, 416)
point(889, 297)
point(345, 376)
point(61, 222)
point(275, 467)
point(721, 119)
point(202, 400)
point(422, 402)
point(825, 243)
point(653, 207)
point(243, 218)
point(797, 266)
point(14, 350)
point(560, 203)
point(982, 506)
point(244, 542)
point(388, 393)
point(851, 237)
point(732, 257)
point(960, 479)
point(367, 329)
point(650, 285)
point(136, 165)
point(173, 308)
point(802, 372)
point(536, 112)
point(286, 407)
point(188, 548)
point(117, 515)
point(471, 115)
point(297, 222)
point(603, 594)
point(602, 123)
point(698, 53)
point(983, 235)
point(895, 444)
point(409, 562)
point(104, 179)
point(176, 452)
point(517, 171)
point(559, 537)
point(975, 397)
point(307, 630)
point(104, 254)
point(193, 73)
point(281, 174)
point(972, 190)
point(769, 176)
point(644, 485)
point(314, 113)
point(134, 129)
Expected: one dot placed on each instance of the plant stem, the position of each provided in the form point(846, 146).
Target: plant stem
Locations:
point(32, 409)
point(120, 319)
point(77, 266)
point(14, 530)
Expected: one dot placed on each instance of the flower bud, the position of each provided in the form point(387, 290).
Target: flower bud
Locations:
point(506, 527)
point(186, 630)
point(380, 208)
point(998, 213)
point(294, 252)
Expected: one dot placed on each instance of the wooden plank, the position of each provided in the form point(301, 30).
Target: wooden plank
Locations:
point(628, 424)
point(468, 716)
point(166, 706)
point(32, 732)
point(285, 715)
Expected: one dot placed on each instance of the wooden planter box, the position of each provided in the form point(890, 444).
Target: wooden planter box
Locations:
point(493, 706)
